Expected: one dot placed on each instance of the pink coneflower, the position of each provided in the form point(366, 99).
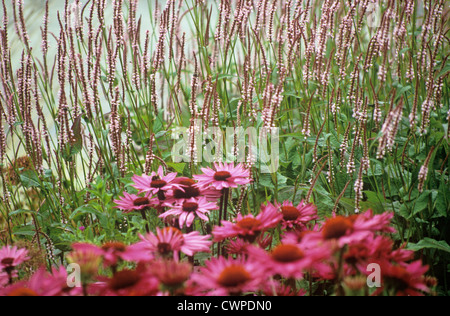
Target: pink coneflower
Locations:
point(297, 217)
point(131, 202)
point(355, 228)
point(230, 276)
point(290, 260)
point(249, 227)
point(156, 183)
point(171, 274)
point(189, 209)
point(224, 176)
point(127, 282)
point(11, 257)
point(87, 256)
point(403, 280)
point(187, 190)
point(168, 242)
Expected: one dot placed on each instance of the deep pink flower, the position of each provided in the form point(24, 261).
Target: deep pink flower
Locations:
point(403, 280)
point(131, 202)
point(344, 230)
point(291, 260)
point(127, 282)
point(223, 176)
point(189, 209)
point(297, 217)
point(43, 283)
point(249, 227)
point(155, 183)
point(168, 242)
point(230, 276)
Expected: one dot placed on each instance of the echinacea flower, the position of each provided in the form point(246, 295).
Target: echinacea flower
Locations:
point(43, 283)
point(355, 228)
point(297, 216)
point(168, 242)
point(131, 202)
point(127, 282)
point(249, 227)
point(11, 257)
point(221, 276)
point(155, 183)
point(187, 190)
point(171, 274)
point(189, 209)
point(223, 176)
point(88, 257)
point(403, 280)
point(290, 260)
point(110, 252)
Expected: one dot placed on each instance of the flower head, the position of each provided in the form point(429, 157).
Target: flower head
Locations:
point(168, 242)
point(297, 216)
point(131, 202)
point(11, 257)
point(155, 183)
point(230, 276)
point(189, 209)
point(223, 176)
point(249, 227)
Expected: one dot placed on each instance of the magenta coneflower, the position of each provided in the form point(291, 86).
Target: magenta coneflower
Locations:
point(249, 227)
point(168, 242)
point(355, 228)
point(187, 190)
point(156, 183)
point(230, 276)
point(43, 283)
point(127, 282)
point(189, 209)
point(11, 257)
point(224, 176)
point(297, 217)
point(131, 202)
point(290, 260)
point(403, 280)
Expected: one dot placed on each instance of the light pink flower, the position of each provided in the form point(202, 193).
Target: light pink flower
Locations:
point(11, 257)
point(223, 176)
point(131, 202)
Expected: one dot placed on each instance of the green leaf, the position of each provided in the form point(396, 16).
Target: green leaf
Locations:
point(30, 179)
point(21, 211)
point(178, 167)
point(429, 243)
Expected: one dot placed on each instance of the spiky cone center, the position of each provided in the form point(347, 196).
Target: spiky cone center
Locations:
point(233, 276)
point(222, 176)
point(287, 253)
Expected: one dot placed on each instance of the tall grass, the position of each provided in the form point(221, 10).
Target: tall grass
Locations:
point(359, 91)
